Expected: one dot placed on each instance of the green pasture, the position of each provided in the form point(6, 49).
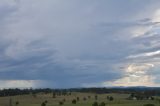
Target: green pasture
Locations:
point(30, 100)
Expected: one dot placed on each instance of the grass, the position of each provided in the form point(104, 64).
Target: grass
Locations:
point(119, 100)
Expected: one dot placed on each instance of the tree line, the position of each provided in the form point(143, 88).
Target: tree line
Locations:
point(136, 90)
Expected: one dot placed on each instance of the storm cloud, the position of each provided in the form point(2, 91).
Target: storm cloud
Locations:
point(79, 43)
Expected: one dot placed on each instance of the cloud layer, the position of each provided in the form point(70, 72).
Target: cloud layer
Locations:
point(79, 43)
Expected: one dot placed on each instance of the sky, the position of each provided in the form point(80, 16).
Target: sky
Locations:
point(79, 43)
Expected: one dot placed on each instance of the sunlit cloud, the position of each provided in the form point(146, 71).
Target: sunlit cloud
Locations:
point(149, 54)
point(156, 16)
point(135, 75)
point(134, 81)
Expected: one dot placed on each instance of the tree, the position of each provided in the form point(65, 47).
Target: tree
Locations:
point(111, 98)
point(77, 98)
point(95, 104)
point(89, 97)
point(84, 98)
point(43, 104)
point(53, 95)
point(60, 103)
point(152, 98)
point(64, 100)
point(74, 101)
point(69, 93)
point(102, 104)
point(45, 101)
point(17, 103)
point(108, 97)
point(132, 95)
point(96, 97)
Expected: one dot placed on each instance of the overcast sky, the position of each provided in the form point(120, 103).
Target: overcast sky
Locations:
point(79, 43)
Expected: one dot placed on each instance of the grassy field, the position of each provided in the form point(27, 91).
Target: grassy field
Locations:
point(119, 100)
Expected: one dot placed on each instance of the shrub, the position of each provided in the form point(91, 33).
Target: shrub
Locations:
point(132, 95)
point(53, 95)
point(108, 97)
point(84, 99)
point(152, 98)
point(95, 104)
point(102, 104)
point(61, 103)
point(111, 98)
point(45, 101)
point(69, 93)
point(17, 103)
point(77, 98)
point(64, 100)
point(74, 101)
point(148, 105)
point(96, 97)
point(43, 104)
point(89, 97)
